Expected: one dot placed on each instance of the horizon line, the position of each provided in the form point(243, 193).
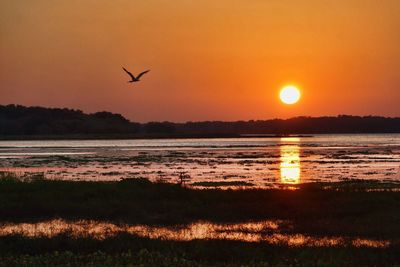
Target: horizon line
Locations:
point(201, 121)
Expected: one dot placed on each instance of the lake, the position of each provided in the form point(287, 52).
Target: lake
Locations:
point(211, 162)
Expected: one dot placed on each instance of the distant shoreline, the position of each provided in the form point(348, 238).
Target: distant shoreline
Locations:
point(181, 136)
point(38, 123)
point(128, 137)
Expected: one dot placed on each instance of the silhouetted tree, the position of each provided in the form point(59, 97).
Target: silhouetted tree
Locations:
point(20, 120)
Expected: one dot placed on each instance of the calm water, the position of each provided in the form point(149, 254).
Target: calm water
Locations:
point(265, 231)
point(244, 162)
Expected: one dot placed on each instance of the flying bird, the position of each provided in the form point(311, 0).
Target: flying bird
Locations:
point(137, 78)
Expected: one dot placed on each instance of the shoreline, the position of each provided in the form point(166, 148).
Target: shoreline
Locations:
point(138, 137)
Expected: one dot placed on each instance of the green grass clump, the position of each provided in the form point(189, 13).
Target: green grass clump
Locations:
point(67, 258)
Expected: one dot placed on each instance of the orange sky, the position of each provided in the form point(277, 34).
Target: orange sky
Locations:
point(209, 60)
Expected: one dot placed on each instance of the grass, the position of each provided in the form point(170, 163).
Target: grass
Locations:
point(337, 210)
point(222, 183)
point(126, 250)
point(347, 209)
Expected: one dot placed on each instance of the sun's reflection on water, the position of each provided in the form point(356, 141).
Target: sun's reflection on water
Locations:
point(290, 166)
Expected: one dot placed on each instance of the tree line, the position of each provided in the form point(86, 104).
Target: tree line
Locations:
point(37, 121)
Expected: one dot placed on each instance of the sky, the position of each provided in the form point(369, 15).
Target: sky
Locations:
point(209, 59)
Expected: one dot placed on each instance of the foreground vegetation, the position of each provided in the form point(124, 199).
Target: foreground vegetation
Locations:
point(345, 209)
point(349, 209)
point(126, 250)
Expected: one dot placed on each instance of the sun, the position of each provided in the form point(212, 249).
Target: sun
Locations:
point(290, 94)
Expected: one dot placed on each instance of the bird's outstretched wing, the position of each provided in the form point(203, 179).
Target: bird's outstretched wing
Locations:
point(130, 74)
point(141, 74)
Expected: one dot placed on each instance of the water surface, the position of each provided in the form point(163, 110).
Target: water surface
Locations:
point(264, 231)
point(224, 162)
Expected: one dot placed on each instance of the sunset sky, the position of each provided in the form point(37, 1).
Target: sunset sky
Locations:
point(209, 59)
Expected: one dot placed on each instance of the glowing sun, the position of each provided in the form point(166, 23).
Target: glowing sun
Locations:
point(290, 94)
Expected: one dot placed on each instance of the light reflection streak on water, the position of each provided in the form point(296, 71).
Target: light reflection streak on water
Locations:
point(265, 231)
point(290, 167)
point(255, 160)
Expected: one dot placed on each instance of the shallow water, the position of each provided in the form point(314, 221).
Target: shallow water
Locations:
point(225, 162)
point(264, 231)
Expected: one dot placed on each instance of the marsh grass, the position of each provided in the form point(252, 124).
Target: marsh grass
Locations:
point(127, 250)
point(222, 183)
point(349, 208)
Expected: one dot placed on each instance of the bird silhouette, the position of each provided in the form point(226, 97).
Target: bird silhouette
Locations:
point(137, 78)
